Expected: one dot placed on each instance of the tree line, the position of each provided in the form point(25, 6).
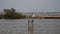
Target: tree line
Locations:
point(11, 14)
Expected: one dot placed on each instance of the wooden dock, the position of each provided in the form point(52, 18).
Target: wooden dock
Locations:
point(46, 17)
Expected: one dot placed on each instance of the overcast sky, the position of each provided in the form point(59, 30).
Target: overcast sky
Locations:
point(31, 5)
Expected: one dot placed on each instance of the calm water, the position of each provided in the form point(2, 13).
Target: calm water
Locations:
point(19, 26)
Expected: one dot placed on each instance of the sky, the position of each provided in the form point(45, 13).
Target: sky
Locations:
point(31, 5)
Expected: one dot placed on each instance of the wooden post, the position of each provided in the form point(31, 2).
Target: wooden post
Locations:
point(30, 26)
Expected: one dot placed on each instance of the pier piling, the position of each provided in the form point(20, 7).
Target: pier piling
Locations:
point(30, 26)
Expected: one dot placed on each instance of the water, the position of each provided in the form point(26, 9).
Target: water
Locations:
point(19, 26)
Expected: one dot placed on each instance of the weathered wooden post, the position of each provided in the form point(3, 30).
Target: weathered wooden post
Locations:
point(30, 26)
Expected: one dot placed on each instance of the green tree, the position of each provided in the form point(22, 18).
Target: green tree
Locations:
point(12, 14)
point(1, 16)
point(13, 9)
point(9, 13)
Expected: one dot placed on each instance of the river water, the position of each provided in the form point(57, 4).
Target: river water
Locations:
point(20, 26)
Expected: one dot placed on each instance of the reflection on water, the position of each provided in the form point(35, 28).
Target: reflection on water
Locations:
point(19, 26)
